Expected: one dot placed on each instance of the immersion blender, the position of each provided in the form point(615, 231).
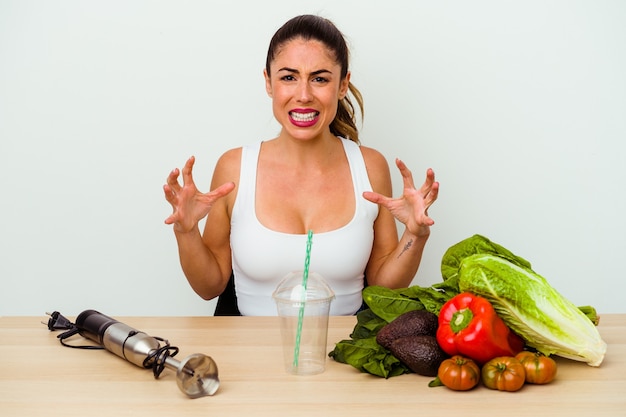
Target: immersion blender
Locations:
point(196, 375)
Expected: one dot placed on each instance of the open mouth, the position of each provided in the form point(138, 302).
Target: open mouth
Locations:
point(304, 117)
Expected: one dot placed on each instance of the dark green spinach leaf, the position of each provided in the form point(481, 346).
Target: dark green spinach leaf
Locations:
point(368, 356)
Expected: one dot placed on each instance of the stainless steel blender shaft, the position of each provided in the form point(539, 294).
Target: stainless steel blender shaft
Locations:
point(196, 375)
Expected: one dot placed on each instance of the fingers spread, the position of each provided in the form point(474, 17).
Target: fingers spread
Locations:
point(429, 183)
point(433, 193)
point(407, 175)
point(223, 189)
point(187, 171)
point(374, 197)
point(169, 194)
point(172, 180)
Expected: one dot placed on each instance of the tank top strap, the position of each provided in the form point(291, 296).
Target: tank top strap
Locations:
point(357, 167)
point(247, 178)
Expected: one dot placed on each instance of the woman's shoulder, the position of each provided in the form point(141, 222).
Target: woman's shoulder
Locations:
point(374, 160)
point(231, 155)
point(377, 170)
point(227, 166)
point(229, 163)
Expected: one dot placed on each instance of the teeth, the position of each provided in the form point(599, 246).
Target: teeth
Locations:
point(303, 117)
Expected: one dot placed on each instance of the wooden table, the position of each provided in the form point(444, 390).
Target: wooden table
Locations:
point(39, 377)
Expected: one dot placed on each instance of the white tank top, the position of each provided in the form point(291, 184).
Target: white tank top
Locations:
point(262, 257)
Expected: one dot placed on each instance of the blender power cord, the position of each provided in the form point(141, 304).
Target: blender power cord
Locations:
point(155, 360)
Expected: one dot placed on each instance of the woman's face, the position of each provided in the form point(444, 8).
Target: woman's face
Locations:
point(305, 86)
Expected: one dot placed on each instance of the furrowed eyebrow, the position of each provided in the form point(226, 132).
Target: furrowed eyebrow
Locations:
point(314, 73)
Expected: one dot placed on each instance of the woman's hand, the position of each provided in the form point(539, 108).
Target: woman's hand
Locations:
point(412, 208)
point(189, 204)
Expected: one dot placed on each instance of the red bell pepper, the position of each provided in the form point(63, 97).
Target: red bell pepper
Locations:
point(469, 326)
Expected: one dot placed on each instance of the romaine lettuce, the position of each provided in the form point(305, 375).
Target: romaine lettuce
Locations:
point(532, 308)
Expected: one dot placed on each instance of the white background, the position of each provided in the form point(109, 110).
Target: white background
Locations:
point(520, 107)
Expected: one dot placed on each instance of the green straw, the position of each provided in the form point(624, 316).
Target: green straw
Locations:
point(305, 278)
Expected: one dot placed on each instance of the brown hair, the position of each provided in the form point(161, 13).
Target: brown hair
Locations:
point(323, 30)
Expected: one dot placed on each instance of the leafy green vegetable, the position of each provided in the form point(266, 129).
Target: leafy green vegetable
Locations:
point(368, 325)
point(591, 314)
point(387, 303)
point(522, 298)
point(362, 351)
point(452, 258)
point(434, 297)
point(368, 356)
point(532, 308)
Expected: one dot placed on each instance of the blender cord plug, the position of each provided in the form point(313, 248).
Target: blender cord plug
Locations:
point(58, 321)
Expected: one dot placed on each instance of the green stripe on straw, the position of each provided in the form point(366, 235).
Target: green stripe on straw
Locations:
point(305, 278)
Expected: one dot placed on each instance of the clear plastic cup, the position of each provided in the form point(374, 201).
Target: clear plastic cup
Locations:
point(304, 322)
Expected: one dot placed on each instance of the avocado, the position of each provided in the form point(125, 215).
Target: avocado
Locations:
point(412, 323)
point(421, 354)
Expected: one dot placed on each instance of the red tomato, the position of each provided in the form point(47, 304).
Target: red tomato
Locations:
point(540, 369)
point(459, 373)
point(504, 373)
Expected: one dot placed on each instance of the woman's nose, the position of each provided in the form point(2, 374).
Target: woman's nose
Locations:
point(304, 92)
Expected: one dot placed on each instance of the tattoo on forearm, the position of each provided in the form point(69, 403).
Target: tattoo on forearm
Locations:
point(406, 247)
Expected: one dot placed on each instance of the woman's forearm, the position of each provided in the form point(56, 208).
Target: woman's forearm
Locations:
point(199, 265)
point(401, 265)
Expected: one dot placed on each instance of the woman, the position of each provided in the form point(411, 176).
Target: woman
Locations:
point(313, 176)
